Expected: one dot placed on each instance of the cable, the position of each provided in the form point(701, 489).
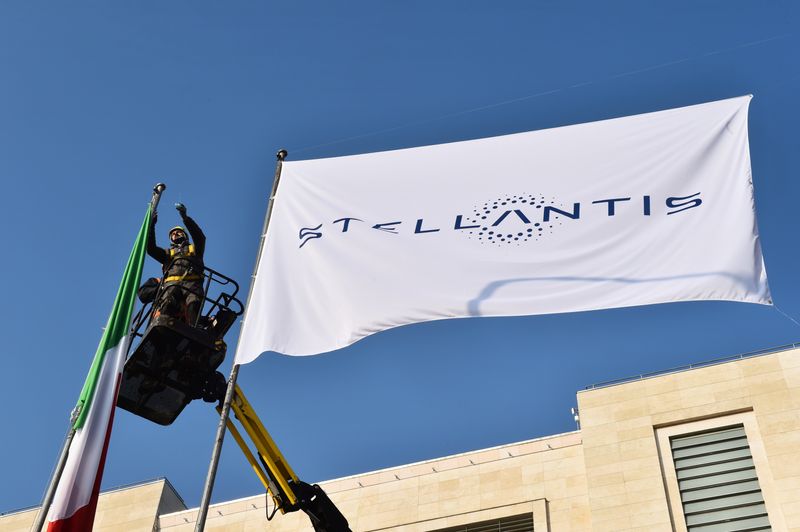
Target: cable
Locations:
point(785, 314)
point(542, 93)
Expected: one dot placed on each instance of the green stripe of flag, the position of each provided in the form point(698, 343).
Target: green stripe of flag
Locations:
point(119, 321)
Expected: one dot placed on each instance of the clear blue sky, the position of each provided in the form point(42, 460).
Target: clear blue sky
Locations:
point(99, 100)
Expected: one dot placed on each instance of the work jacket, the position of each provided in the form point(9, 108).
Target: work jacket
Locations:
point(190, 267)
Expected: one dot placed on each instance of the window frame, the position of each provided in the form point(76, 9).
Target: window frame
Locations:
point(670, 478)
point(537, 507)
point(474, 525)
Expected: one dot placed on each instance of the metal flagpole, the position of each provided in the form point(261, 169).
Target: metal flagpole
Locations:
point(226, 405)
point(62, 458)
point(51, 488)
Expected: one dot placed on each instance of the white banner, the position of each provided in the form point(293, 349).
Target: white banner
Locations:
point(652, 208)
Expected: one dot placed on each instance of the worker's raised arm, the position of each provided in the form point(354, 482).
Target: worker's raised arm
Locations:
point(152, 249)
point(198, 238)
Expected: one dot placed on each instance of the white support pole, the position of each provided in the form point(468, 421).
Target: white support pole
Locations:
point(226, 405)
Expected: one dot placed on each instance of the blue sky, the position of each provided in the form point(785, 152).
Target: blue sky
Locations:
point(100, 100)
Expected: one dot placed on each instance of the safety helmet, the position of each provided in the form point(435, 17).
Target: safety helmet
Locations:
point(177, 229)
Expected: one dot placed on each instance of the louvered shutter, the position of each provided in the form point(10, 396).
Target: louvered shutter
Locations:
point(517, 523)
point(717, 481)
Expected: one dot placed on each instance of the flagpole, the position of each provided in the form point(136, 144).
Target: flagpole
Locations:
point(62, 457)
point(51, 487)
point(226, 405)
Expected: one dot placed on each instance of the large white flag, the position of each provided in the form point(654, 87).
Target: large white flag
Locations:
point(652, 208)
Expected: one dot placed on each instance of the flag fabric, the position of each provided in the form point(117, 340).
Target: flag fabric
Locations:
point(645, 209)
point(75, 500)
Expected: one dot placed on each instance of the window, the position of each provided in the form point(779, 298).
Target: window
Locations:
point(517, 523)
point(717, 481)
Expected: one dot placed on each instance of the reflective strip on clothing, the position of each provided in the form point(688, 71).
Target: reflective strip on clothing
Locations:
point(173, 278)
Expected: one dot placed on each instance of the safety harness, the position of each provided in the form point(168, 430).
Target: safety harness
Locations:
point(186, 275)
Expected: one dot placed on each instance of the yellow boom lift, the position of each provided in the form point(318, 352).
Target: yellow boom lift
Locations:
point(288, 492)
point(173, 363)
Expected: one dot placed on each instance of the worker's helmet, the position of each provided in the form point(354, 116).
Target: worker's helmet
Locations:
point(177, 235)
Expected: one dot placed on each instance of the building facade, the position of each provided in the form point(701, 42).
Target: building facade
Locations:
point(711, 448)
point(129, 508)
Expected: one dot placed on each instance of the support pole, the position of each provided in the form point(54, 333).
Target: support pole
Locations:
point(51, 488)
point(50, 494)
point(205, 501)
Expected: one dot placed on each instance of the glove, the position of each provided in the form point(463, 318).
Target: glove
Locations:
point(181, 209)
point(154, 217)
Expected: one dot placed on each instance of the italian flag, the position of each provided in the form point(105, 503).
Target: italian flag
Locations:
point(75, 499)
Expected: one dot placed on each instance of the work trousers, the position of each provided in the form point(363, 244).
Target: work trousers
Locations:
point(181, 299)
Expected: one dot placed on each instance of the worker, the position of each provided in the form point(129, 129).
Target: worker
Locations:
point(182, 292)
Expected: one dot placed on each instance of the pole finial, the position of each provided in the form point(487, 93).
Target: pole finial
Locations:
point(282, 154)
point(157, 190)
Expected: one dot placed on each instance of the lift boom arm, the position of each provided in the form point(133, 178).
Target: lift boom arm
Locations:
point(288, 492)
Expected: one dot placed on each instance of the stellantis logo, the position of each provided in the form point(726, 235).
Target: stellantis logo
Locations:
point(309, 233)
point(513, 219)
